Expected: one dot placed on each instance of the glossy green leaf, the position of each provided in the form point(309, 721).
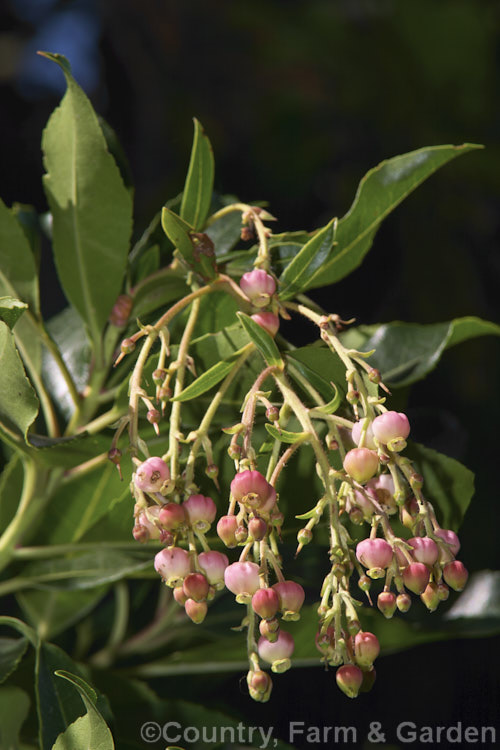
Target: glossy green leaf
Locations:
point(407, 352)
point(262, 340)
point(68, 452)
point(320, 367)
point(14, 709)
point(448, 485)
point(18, 401)
point(312, 256)
point(12, 651)
point(156, 292)
point(89, 731)
point(93, 496)
point(58, 703)
point(198, 187)
point(209, 378)
point(379, 192)
point(197, 255)
point(285, 435)
point(90, 205)
point(18, 274)
point(85, 570)
point(226, 231)
point(68, 332)
point(11, 310)
point(51, 612)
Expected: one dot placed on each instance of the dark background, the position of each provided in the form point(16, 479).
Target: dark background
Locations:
point(300, 98)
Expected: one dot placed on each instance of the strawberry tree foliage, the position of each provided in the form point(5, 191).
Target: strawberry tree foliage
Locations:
point(166, 451)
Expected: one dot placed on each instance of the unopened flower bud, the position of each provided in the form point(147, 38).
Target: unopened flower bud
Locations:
point(153, 416)
point(389, 426)
point(213, 564)
point(366, 648)
point(250, 488)
point(226, 529)
point(425, 550)
point(257, 529)
point(265, 603)
point(291, 598)
point(455, 574)
point(304, 536)
point(242, 579)
point(443, 591)
point(140, 533)
point(386, 602)
point(196, 611)
point(416, 577)
point(268, 321)
point(212, 471)
point(403, 602)
point(127, 346)
point(269, 629)
point(430, 597)
point(258, 286)
point(364, 583)
point(374, 376)
point(151, 474)
point(195, 586)
point(173, 565)
point(451, 540)
point(272, 414)
point(172, 516)
point(278, 653)
point(200, 511)
point(159, 376)
point(179, 595)
point(361, 464)
point(114, 455)
point(259, 685)
point(349, 678)
point(374, 553)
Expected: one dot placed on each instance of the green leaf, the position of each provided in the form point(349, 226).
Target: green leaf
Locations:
point(209, 378)
point(297, 274)
point(196, 252)
point(85, 570)
point(11, 310)
point(58, 704)
point(18, 401)
point(12, 651)
point(198, 187)
point(69, 451)
point(90, 205)
point(21, 627)
point(14, 709)
point(89, 731)
point(407, 352)
point(18, 274)
point(262, 340)
point(52, 612)
point(285, 436)
point(379, 192)
point(448, 485)
point(68, 332)
point(93, 496)
point(320, 368)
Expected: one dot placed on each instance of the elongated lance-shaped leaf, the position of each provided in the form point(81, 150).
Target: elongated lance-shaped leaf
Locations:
point(90, 205)
point(199, 183)
point(197, 251)
point(407, 352)
point(262, 340)
point(297, 274)
point(208, 379)
point(379, 192)
point(18, 401)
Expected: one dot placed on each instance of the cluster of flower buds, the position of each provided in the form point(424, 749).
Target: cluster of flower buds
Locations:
point(376, 485)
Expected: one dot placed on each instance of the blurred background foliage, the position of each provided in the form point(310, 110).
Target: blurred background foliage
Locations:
point(300, 98)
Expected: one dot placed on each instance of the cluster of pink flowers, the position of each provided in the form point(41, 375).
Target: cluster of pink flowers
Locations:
point(375, 486)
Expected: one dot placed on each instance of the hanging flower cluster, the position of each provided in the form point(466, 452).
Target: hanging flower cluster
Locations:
point(358, 453)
